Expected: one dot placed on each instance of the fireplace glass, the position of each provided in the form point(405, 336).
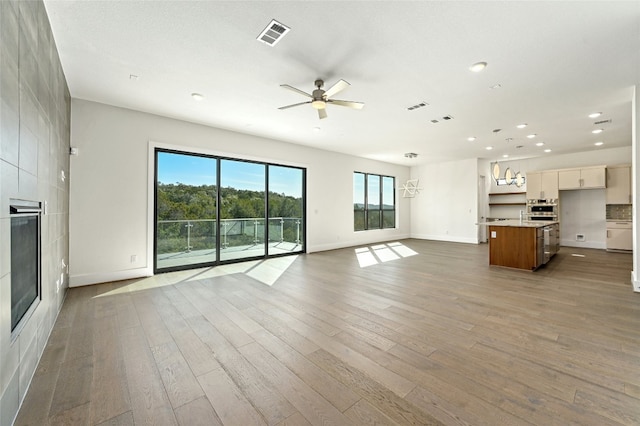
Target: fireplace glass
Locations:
point(25, 262)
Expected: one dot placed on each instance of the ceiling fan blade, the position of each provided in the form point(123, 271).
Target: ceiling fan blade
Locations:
point(339, 86)
point(350, 104)
point(295, 105)
point(322, 113)
point(286, 86)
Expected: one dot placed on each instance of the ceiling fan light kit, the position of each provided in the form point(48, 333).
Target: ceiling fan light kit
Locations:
point(320, 98)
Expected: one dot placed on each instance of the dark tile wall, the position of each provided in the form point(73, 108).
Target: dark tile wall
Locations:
point(34, 146)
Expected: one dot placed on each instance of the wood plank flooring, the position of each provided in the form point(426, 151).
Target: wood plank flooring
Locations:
point(435, 338)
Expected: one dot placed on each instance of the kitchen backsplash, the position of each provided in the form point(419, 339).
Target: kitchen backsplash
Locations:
point(618, 211)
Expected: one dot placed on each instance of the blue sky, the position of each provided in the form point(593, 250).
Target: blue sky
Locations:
point(194, 170)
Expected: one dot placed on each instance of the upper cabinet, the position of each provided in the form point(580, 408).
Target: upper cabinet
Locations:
point(542, 185)
point(585, 178)
point(619, 185)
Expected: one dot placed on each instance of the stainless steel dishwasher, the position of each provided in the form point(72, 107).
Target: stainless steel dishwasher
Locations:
point(550, 242)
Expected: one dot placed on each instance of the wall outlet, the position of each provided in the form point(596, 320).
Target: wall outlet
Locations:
point(580, 237)
point(134, 258)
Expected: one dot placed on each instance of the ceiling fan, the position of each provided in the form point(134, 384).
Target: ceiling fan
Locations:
point(320, 98)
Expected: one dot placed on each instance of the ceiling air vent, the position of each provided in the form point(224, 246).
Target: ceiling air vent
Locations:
point(416, 106)
point(602, 122)
point(447, 117)
point(273, 33)
point(435, 121)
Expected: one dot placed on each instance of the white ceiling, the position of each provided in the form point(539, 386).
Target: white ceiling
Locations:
point(556, 62)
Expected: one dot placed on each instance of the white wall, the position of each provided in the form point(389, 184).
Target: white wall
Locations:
point(110, 187)
point(447, 206)
point(581, 211)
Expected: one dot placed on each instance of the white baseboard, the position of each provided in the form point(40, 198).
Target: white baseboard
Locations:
point(104, 277)
point(585, 244)
point(355, 243)
point(447, 238)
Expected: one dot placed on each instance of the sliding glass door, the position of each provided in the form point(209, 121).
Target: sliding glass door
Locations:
point(286, 207)
point(242, 206)
point(186, 196)
point(211, 210)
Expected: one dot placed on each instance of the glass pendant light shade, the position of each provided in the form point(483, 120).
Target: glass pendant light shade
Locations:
point(496, 171)
point(507, 176)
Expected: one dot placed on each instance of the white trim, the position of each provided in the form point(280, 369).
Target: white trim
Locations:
point(355, 243)
point(635, 282)
point(447, 238)
point(104, 277)
point(587, 244)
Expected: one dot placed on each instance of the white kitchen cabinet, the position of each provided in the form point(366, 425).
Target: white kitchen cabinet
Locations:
point(619, 185)
point(542, 185)
point(619, 236)
point(585, 178)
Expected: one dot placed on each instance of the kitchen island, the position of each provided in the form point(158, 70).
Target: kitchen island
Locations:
point(522, 244)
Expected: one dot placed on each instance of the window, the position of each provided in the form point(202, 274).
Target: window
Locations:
point(211, 210)
point(374, 205)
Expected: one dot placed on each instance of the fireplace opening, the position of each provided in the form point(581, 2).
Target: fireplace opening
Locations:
point(25, 262)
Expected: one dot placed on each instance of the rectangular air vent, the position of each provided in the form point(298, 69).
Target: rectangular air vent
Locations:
point(273, 33)
point(416, 106)
point(602, 122)
point(447, 117)
point(435, 121)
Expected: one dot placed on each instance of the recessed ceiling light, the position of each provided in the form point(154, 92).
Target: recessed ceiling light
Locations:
point(595, 115)
point(531, 136)
point(478, 66)
point(539, 143)
point(521, 126)
point(596, 131)
point(547, 150)
point(197, 96)
point(471, 138)
point(505, 155)
point(599, 143)
point(316, 129)
point(495, 86)
point(489, 148)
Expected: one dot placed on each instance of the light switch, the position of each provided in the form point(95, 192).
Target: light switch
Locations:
point(493, 234)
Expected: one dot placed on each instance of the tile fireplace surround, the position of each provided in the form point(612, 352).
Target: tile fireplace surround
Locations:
point(34, 156)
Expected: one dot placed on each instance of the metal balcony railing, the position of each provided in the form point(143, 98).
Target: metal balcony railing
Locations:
point(179, 236)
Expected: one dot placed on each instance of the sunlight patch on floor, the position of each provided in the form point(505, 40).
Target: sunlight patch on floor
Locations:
point(381, 253)
point(266, 271)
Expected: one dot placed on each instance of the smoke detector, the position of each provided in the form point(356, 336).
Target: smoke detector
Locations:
point(410, 155)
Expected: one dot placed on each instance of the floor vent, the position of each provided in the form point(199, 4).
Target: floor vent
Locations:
point(273, 33)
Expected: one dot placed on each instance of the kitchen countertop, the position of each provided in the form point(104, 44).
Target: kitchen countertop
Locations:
point(520, 224)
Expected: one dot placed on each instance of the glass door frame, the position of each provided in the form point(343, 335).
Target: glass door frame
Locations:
point(218, 261)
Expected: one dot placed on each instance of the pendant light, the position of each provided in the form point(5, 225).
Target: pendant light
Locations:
point(495, 171)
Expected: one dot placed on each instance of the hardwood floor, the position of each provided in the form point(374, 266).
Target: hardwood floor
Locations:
point(435, 338)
